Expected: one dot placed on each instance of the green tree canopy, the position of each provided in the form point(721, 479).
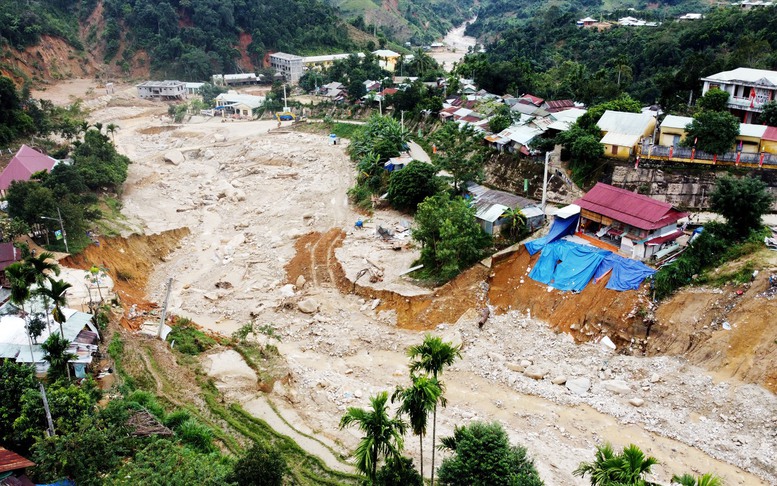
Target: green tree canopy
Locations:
point(261, 465)
point(483, 456)
point(713, 100)
point(626, 468)
point(409, 186)
point(460, 152)
point(381, 135)
point(15, 380)
point(714, 132)
point(398, 471)
point(769, 114)
point(449, 234)
point(741, 201)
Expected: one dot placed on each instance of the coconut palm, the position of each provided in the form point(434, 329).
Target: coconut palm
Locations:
point(382, 434)
point(20, 276)
point(43, 265)
point(417, 401)
point(627, 468)
point(703, 480)
point(432, 356)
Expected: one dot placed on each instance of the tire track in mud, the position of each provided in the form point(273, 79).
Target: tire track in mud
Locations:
point(315, 260)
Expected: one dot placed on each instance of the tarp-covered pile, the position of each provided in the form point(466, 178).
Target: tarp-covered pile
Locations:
point(565, 265)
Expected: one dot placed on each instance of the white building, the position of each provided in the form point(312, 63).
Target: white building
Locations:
point(162, 90)
point(748, 90)
point(289, 65)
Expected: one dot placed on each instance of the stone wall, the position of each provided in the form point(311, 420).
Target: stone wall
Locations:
point(683, 185)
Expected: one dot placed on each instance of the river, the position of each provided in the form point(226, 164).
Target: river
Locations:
point(456, 46)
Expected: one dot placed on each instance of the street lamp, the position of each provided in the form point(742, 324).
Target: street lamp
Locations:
point(61, 227)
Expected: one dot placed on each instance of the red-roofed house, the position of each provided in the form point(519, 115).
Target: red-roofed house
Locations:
point(8, 255)
point(639, 225)
point(25, 163)
point(531, 99)
point(554, 106)
point(769, 140)
point(12, 467)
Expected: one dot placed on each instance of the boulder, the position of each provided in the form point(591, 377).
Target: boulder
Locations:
point(308, 306)
point(578, 386)
point(655, 378)
point(515, 367)
point(535, 372)
point(525, 363)
point(300, 281)
point(219, 137)
point(637, 402)
point(559, 380)
point(287, 290)
point(174, 157)
point(617, 386)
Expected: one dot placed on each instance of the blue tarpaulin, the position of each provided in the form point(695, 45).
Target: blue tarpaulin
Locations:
point(561, 228)
point(569, 266)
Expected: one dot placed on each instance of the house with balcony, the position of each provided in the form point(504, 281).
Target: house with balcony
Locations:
point(748, 89)
point(632, 224)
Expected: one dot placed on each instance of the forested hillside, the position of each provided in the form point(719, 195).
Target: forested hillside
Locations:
point(189, 39)
point(553, 58)
point(419, 22)
point(495, 16)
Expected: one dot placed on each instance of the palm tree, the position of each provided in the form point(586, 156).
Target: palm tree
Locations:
point(627, 468)
point(432, 356)
point(57, 356)
point(43, 265)
point(56, 293)
point(111, 128)
point(382, 434)
point(417, 401)
point(703, 480)
point(515, 220)
point(20, 276)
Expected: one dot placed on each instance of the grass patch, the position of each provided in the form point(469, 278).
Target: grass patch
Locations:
point(188, 339)
point(344, 130)
point(361, 197)
point(737, 277)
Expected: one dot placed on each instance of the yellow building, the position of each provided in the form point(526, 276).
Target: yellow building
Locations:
point(387, 59)
point(769, 140)
point(622, 132)
point(673, 130)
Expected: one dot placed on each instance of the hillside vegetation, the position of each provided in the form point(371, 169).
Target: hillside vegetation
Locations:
point(553, 58)
point(189, 39)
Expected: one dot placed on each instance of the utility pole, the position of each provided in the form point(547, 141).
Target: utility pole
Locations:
point(46, 408)
point(545, 182)
point(61, 227)
point(164, 308)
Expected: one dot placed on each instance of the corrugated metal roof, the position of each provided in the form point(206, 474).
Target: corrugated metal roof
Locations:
point(11, 461)
point(674, 121)
point(770, 134)
point(746, 75)
point(620, 139)
point(490, 212)
point(749, 130)
point(493, 196)
point(623, 122)
point(629, 207)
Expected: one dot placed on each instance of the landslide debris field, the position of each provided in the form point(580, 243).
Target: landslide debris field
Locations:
point(252, 223)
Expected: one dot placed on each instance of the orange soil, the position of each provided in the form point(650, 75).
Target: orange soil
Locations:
point(315, 260)
point(129, 262)
point(594, 312)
